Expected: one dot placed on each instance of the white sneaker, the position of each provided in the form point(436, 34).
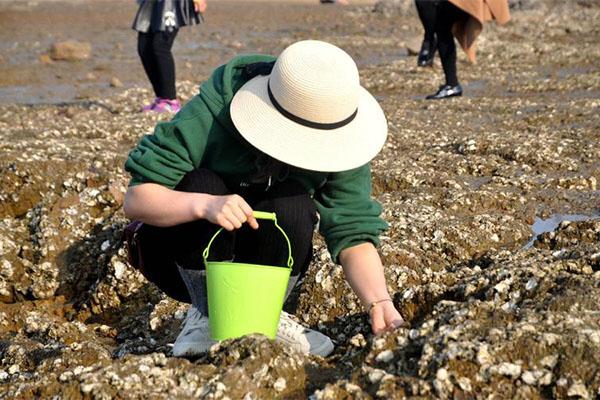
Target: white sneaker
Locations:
point(302, 339)
point(194, 338)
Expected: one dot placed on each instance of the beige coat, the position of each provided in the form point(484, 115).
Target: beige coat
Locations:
point(479, 11)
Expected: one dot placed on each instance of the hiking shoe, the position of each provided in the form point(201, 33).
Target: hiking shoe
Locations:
point(167, 106)
point(302, 339)
point(194, 339)
point(150, 107)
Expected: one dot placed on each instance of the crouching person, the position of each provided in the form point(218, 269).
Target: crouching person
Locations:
point(293, 135)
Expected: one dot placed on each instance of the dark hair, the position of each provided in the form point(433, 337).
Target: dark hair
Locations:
point(260, 68)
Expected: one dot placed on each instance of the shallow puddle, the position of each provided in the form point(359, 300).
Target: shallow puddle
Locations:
point(541, 226)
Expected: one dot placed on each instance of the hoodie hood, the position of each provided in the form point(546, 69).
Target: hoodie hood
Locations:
point(218, 91)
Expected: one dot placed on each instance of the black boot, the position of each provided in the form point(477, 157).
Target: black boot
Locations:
point(446, 91)
point(427, 53)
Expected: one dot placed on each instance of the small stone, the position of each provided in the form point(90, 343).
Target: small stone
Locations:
point(70, 50)
point(105, 245)
point(558, 253)
point(401, 341)
point(235, 44)
point(119, 269)
point(378, 343)
point(352, 388)
point(442, 374)
point(562, 382)
point(483, 356)
point(509, 369)
point(65, 376)
point(464, 383)
point(578, 389)
point(551, 339)
point(502, 287)
point(358, 340)
point(528, 378)
point(6, 270)
point(376, 375)
point(385, 356)
point(549, 361)
point(13, 369)
point(280, 384)
point(546, 379)
point(593, 335)
point(115, 82)
point(327, 284)
point(86, 387)
point(531, 284)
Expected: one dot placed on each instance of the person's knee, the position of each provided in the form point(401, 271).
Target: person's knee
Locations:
point(161, 46)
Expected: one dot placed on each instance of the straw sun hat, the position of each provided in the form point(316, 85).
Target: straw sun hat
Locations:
point(311, 111)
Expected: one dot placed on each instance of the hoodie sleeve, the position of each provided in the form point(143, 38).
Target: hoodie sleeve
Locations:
point(349, 216)
point(174, 149)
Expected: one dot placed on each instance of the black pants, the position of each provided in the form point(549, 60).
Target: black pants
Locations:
point(164, 248)
point(427, 13)
point(154, 49)
point(438, 17)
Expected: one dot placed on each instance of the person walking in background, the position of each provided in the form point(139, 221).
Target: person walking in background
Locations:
point(157, 23)
point(445, 19)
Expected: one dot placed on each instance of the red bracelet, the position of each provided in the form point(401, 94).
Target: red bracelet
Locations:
point(377, 302)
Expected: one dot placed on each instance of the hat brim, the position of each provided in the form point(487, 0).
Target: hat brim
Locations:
point(341, 149)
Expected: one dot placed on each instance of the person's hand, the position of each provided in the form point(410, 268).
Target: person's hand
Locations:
point(229, 211)
point(200, 6)
point(384, 317)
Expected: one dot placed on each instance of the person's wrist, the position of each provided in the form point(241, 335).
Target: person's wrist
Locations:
point(379, 302)
point(199, 205)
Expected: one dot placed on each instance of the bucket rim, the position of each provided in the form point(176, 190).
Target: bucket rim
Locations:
point(247, 265)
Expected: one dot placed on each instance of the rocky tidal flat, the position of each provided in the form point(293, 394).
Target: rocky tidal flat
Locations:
point(493, 201)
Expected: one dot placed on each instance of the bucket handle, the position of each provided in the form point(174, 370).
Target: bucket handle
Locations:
point(258, 215)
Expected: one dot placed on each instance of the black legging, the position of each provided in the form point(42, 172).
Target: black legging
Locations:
point(154, 49)
point(438, 16)
point(427, 14)
point(183, 244)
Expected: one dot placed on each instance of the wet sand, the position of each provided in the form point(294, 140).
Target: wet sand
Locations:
point(107, 26)
point(493, 251)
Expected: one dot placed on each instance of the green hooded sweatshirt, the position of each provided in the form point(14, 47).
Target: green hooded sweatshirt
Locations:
point(202, 135)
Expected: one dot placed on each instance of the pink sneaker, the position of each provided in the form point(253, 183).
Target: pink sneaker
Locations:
point(167, 106)
point(150, 107)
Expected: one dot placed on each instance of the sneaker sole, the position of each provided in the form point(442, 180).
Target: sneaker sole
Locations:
point(323, 351)
point(192, 350)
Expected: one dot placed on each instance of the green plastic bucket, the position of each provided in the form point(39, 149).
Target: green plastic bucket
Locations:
point(245, 298)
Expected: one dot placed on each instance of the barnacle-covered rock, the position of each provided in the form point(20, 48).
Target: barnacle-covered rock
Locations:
point(492, 308)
